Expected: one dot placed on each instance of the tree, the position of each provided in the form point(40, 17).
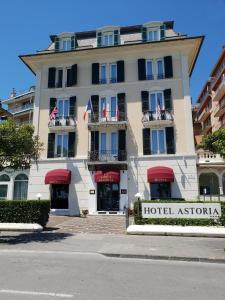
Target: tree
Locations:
point(215, 142)
point(18, 145)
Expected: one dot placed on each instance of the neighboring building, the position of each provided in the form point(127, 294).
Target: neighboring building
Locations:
point(4, 114)
point(139, 136)
point(211, 115)
point(21, 105)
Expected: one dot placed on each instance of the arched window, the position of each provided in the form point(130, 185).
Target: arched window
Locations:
point(209, 184)
point(4, 179)
point(20, 187)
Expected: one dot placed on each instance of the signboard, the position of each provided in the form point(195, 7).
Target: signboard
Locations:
point(92, 192)
point(123, 191)
point(181, 210)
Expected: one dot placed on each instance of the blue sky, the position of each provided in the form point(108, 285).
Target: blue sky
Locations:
point(25, 26)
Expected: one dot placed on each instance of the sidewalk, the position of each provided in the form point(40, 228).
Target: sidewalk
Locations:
point(117, 245)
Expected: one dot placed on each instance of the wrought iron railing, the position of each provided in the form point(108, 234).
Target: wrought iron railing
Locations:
point(107, 116)
point(62, 121)
point(107, 155)
point(21, 108)
point(157, 115)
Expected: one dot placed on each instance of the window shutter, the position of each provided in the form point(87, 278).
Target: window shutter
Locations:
point(99, 39)
point(51, 77)
point(168, 99)
point(170, 143)
point(94, 145)
point(60, 79)
point(51, 145)
point(52, 104)
point(95, 106)
point(73, 42)
point(141, 69)
point(116, 37)
point(145, 101)
point(120, 71)
point(144, 34)
point(56, 44)
point(122, 145)
point(168, 64)
point(162, 32)
point(72, 112)
point(73, 75)
point(121, 107)
point(146, 141)
point(71, 144)
point(95, 73)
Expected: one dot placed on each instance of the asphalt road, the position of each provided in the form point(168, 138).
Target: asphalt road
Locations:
point(37, 274)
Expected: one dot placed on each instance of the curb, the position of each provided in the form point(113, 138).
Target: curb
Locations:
point(168, 258)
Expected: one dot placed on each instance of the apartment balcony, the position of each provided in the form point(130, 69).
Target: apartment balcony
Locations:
point(217, 79)
point(205, 114)
point(62, 124)
point(26, 108)
point(220, 91)
point(209, 158)
point(206, 128)
point(107, 119)
point(152, 118)
point(220, 109)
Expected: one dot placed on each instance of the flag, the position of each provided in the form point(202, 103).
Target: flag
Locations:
point(158, 108)
point(53, 113)
point(104, 110)
point(117, 112)
point(88, 108)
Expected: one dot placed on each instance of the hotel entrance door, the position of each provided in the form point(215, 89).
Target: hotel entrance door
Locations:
point(108, 196)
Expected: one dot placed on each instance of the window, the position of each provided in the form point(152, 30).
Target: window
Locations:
point(63, 109)
point(20, 187)
point(153, 34)
point(149, 70)
point(156, 102)
point(59, 78)
point(160, 69)
point(108, 145)
point(4, 186)
point(65, 44)
point(62, 145)
point(108, 108)
point(113, 72)
point(103, 73)
point(107, 39)
point(158, 144)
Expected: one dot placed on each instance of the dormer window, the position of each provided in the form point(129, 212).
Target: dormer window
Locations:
point(65, 42)
point(153, 31)
point(153, 35)
point(107, 38)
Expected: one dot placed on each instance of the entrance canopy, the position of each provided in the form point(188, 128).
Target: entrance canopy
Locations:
point(160, 174)
point(110, 176)
point(58, 176)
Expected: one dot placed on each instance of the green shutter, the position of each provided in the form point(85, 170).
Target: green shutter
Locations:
point(73, 42)
point(56, 44)
point(162, 32)
point(168, 99)
point(51, 145)
point(71, 144)
point(99, 39)
point(146, 141)
point(144, 34)
point(170, 142)
point(116, 37)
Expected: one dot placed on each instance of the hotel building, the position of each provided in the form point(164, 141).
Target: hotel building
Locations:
point(139, 134)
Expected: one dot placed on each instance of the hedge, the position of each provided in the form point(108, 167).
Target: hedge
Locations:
point(184, 222)
point(24, 211)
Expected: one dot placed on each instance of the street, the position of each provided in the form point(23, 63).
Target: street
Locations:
point(42, 274)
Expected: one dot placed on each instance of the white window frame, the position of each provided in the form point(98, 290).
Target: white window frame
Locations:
point(108, 145)
point(155, 93)
point(68, 42)
point(108, 108)
point(107, 33)
point(57, 77)
point(56, 139)
point(100, 73)
point(151, 139)
point(146, 68)
point(153, 29)
point(157, 71)
point(110, 72)
point(57, 105)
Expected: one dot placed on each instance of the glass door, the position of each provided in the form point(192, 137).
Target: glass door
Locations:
point(59, 196)
point(108, 196)
point(160, 190)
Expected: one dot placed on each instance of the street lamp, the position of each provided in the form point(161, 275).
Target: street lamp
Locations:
point(39, 196)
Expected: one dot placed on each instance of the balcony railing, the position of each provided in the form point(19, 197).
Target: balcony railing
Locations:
point(62, 122)
point(207, 157)
point(107, 155)
point(108, 116)
point(163, 115)
point(22, 108)
point(218, 73)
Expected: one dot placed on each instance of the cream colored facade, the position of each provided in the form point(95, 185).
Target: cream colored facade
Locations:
point(133, 178)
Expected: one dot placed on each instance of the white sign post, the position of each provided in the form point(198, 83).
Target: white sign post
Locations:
point(181, 210)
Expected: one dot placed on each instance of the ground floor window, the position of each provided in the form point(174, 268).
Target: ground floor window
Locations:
point(208, 184)
point(59, 196)
point(3, 191)
point(108, 196)
point(20, 187)
point(160, 190)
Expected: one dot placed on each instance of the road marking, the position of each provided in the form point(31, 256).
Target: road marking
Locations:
point(36, 293)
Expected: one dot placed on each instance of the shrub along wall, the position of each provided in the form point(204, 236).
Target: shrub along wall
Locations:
point(24, 211)
point(185, 222)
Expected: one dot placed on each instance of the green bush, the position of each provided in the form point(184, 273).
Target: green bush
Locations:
point(184, 222)
point(24, 211)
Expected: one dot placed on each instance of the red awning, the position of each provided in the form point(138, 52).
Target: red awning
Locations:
point(110, 176)
point(58, 176)
point(160, 174)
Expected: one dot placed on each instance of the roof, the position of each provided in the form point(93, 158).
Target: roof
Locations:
point(219, 61)
point(4, 112)
point(123, 30)
point(17, 97)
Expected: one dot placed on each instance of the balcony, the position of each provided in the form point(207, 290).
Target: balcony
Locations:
point(152, 118)
point(22, 109)
point(220, 92)
point(107, 119)
point(62, 124)
point(99, 160)
point(217, 78)
point(209, 158)
point(220, 109)
point(204, 114)
point(206, 128)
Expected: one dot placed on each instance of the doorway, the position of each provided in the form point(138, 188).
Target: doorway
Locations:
point(160, 190)
point(59, 196)
point(108, 196)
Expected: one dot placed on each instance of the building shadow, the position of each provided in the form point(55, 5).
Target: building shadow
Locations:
point(26, 238)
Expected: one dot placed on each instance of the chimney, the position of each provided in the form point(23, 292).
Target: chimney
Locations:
point(13, 93)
